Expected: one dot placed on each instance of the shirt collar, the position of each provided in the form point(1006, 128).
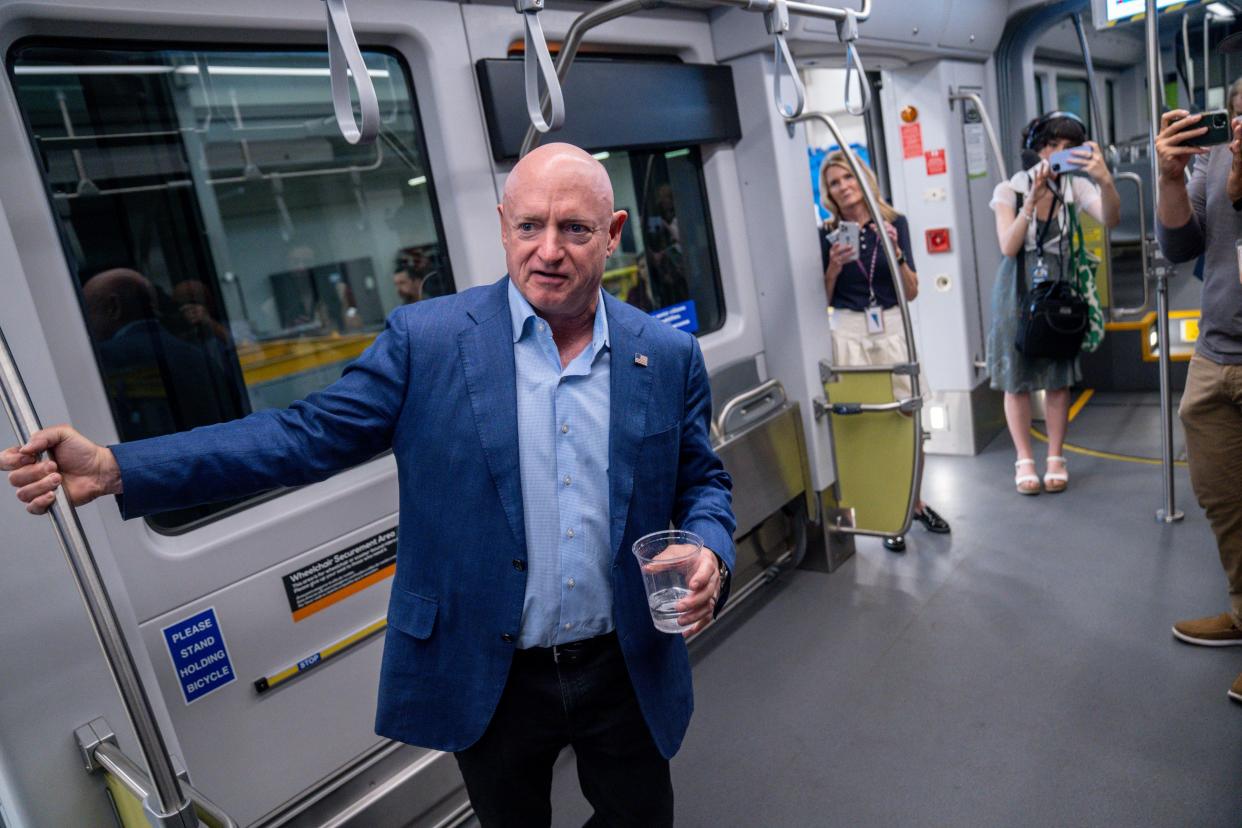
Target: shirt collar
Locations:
point(520, 311)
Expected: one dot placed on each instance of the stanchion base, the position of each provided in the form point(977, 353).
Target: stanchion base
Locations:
point(1175, 517)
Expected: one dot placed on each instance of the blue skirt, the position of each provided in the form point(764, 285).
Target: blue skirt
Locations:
point(1009, 369)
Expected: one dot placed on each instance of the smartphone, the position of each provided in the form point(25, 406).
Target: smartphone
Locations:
point(1219, 130)
point(846, 233)
point(1066, 162)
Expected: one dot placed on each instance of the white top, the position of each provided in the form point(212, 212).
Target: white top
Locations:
point(1074, 189)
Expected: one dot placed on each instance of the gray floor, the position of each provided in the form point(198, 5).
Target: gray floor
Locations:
point(1017, 672)
point(1124, 422)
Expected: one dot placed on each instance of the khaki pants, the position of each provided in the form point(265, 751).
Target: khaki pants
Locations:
point(1211, 413)
point(853, 346)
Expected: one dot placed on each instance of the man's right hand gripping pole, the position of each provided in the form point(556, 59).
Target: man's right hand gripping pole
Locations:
point(55, 456)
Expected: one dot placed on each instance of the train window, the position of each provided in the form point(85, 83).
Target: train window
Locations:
point(1073, 96)
point(666, 262)
point(232, 252)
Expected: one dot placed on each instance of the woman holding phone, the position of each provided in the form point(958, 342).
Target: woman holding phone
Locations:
point(1031, 228)
point(862, 291)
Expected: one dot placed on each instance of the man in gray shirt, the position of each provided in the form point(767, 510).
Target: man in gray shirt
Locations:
point(1203, 217)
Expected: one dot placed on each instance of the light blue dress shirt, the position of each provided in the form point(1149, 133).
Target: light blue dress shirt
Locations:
point(563, 419)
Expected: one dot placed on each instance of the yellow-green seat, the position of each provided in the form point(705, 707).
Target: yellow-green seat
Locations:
point(874, 453)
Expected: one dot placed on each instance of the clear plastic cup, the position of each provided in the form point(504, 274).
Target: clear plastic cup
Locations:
point(667, 560)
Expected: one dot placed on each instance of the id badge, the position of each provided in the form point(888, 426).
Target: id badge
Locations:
point(875, 319)
point(1040, 271)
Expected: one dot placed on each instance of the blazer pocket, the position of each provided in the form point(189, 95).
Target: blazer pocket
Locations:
point(411, 613)
point(661, 437)
point(656, 469)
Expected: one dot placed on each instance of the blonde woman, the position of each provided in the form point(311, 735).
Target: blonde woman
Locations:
point(859, 284)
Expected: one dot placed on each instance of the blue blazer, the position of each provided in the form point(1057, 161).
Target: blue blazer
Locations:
point(439, 388)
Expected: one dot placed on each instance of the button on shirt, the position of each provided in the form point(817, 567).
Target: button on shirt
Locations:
point(563, 420)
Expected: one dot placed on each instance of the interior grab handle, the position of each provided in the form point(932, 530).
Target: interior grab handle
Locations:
point(989, 131)
point(538, 62)
point(777, 21)
point(345, 59)
point(847, 33)
point(748, 407)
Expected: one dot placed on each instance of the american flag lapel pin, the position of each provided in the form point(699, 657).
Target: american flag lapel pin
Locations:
point(640, 360)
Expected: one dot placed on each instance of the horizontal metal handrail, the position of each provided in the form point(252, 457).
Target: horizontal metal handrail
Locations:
point(906, 405)
point(113, 760)
point(827, 369)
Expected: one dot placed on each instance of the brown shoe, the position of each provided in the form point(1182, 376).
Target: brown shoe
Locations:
point(1216, 631)
point(1235, 692)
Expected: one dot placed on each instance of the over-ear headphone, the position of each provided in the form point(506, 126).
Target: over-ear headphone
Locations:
point(1044, 120)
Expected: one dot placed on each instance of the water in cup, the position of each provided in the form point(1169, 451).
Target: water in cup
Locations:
point(664, 610)
point(668, 560)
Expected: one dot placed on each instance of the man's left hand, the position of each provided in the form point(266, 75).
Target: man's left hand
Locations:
point(699, 607)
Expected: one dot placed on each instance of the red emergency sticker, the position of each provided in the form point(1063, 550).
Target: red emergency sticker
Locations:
point(911, 140)
point(936, 165)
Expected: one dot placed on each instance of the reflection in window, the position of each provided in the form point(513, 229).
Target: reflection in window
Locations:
point(232, 251)
point(666, 260)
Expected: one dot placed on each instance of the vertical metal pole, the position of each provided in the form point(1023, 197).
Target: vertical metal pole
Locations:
point(1207, 58)
point(1190, 63)
point(166, 803)
point(1168, 513)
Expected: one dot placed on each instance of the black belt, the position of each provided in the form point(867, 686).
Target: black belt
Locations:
point(571, 653)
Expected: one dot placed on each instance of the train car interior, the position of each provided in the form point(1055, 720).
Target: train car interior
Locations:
point(209, 210)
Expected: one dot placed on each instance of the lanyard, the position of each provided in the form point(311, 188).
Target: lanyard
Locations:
point(870, 271)
point(1040, 271)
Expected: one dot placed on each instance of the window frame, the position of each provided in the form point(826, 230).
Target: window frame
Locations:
point(695, 152)
point(89, 44)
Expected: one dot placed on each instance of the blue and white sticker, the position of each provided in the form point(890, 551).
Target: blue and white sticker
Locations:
point(199, 656)
point(682, 316)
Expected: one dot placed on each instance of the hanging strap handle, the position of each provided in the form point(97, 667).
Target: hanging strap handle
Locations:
point(344, 59)
point(777, 21)
point(847, 33)
point(539, 62)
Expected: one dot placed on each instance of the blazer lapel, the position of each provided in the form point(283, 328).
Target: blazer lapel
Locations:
point(630, 387)
point(491, 380)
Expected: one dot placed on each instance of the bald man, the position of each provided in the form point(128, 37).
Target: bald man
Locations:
point(540, 427)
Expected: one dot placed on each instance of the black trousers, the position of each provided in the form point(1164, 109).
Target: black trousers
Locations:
point(576, 695)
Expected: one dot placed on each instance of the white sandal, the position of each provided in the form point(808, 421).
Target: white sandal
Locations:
point(1056, 482)
point(1020, 479)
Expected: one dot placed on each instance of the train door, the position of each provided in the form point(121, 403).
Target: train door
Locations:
point(192, 239)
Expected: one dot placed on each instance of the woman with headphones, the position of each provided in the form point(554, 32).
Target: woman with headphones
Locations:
point(862, 291)
point(1031, 227)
